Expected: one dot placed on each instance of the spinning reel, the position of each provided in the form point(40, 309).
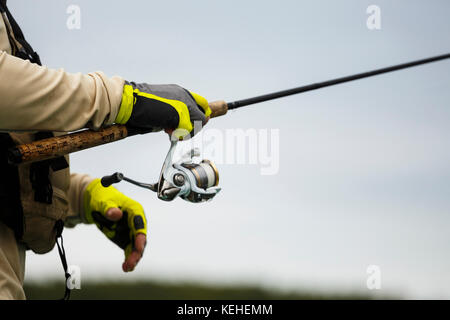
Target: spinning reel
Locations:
point(191, 181)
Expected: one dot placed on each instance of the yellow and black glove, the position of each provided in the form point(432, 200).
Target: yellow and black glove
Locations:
point(124, 228)
point(156, 107)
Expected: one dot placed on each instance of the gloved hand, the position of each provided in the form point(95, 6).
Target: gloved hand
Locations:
point(157, 107)
point(120, 218)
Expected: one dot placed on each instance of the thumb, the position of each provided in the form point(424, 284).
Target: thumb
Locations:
point(114, 214)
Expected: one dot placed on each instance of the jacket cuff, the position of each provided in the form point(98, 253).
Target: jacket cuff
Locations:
point(78, 185)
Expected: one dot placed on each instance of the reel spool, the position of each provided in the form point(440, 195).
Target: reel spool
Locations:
point(205, 176)
point(191, 181)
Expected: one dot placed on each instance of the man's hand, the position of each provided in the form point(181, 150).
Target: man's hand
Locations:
point(120, 218)
point(169, 107)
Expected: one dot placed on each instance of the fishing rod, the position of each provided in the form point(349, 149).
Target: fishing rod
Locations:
point(315, 86)
point(77, 141)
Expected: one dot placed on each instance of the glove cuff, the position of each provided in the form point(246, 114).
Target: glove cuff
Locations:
point(87, 200)
point(126, 106)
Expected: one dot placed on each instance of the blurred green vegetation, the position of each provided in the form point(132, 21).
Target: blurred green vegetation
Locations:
point(153, 290)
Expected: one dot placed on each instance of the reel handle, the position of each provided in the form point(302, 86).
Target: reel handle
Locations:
point(106, 181)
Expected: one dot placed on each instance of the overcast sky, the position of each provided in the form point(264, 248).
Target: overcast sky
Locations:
point(363, 167)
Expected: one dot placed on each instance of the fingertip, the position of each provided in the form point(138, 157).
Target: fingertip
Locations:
point(114, 214)
point(128, 266)
point(131, 258)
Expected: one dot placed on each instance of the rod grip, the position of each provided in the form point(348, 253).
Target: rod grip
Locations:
point(65, 144)
point(218, 108)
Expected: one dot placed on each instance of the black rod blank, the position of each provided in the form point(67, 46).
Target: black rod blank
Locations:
point(314, 86)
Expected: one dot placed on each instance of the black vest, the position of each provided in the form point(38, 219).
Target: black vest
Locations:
point(11, 212)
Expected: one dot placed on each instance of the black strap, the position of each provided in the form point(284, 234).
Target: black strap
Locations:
point(27, 53)
point(39, 173)
point(2, 5)
point(62, 255)
point(11, 213)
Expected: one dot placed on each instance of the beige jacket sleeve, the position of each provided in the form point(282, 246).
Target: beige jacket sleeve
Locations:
point(35, 98)
point(78, 184)
point(38, 98)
